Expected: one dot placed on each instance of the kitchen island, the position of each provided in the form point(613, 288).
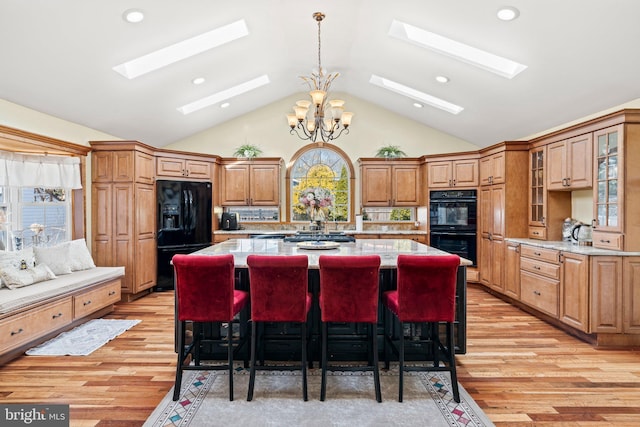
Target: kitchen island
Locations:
point(352, 346)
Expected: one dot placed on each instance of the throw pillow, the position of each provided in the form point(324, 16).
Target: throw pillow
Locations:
point(55, 257)
point(17, 278)
point(16, 259)
point(79, 256)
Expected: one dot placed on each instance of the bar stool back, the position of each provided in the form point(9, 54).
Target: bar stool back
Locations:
point(426, 288)
point(349, 293)
point(279, 293)
point(205, 293)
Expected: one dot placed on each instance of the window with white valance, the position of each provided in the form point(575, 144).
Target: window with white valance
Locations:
point(25, 170)
point(35, 207)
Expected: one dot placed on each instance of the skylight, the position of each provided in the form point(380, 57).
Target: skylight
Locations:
point(224, 95)
point(415, 94)
point(460, 51)
point(182, 50)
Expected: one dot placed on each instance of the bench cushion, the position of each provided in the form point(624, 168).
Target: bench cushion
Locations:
point(15, 299)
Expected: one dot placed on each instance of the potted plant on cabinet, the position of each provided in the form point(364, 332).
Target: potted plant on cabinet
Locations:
point(247, 151)
point(390, 152)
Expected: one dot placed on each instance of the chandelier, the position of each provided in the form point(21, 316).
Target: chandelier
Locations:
point(326, 120)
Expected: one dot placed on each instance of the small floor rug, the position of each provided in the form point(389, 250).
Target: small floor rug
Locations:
point(84, 339)
point(350, 401)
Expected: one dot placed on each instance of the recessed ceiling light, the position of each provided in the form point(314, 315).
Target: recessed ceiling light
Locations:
point(415, 94)
point(133, 15)
point(225, 104)
point(442, 79)
point(417, 105)
point(182, 50)
point(508, 13)
point(454, 49)
point(224, 95)
point(198, 80)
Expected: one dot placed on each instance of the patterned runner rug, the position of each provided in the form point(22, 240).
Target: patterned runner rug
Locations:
point(84, 339)
point(350, 401)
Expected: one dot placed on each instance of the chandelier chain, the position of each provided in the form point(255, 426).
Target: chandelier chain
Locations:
point(319, 57)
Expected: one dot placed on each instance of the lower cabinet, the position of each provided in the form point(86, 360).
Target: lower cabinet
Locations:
point(606, 294)
point(540, 278)
point(512, 270)
point(574, 291)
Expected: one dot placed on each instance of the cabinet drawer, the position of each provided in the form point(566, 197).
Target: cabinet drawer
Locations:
point(540, 267)
point(612, 241)
point(539, 233)
point(95, 299)
point(542, 254)
point(539, 292)
point(33, 324)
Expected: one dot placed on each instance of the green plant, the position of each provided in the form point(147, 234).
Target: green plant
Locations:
point(390, 152)
point(248, 151)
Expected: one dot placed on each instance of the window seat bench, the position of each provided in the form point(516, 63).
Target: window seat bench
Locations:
point(33, 314)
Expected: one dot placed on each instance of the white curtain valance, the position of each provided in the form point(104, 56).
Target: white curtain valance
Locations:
point(26, 170)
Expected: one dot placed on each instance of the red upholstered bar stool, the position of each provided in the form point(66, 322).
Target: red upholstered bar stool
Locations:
point(279, 293)
point(205, 293)
point(349, 293)
point(426, 293)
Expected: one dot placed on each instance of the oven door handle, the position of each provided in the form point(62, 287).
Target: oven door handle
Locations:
point(445, 233)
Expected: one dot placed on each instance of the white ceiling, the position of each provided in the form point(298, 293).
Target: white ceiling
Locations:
point(57, 57)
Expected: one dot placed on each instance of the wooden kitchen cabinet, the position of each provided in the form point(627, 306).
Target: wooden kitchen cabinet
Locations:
point(574, 291)
point(123, 213)
point(606, 294)
point(180, 167)
point(453, 173)
point(546, 209)
point(492, 169)
point(503, 207)
point(570, 163)
point(250, 183)
point(390, 182)
point(512, 270)
point(540, 278)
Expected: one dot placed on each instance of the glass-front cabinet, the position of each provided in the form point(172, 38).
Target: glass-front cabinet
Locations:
point(537, 194)
point(609, 179)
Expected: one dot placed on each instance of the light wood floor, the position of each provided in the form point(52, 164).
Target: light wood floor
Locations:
point(520, 371)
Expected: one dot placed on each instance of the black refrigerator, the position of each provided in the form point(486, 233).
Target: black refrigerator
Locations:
point(184, 223)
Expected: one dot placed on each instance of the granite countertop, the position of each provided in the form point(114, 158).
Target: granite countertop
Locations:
point(570, 247)
point(291, 232)
point(388, 249)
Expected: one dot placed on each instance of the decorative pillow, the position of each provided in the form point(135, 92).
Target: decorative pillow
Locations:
point(79, 256)
point(17, 278)
point(15, 259)
point(55, 257)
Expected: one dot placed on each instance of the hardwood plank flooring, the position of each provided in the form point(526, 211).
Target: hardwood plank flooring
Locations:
point(520, 370)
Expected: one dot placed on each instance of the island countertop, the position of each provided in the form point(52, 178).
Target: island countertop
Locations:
point(388, 249)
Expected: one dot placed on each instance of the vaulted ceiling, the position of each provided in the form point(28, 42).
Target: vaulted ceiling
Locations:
point(57, 57)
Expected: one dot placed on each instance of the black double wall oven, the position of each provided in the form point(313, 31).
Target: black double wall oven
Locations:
point(453, 222)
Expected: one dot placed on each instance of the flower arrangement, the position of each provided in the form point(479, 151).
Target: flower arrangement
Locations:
point(36, 228)
point(316, 197)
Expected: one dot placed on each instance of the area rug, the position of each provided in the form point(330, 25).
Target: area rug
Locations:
point(350, 401)
point(84, 339)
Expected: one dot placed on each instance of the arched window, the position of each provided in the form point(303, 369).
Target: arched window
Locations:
point(320, 182)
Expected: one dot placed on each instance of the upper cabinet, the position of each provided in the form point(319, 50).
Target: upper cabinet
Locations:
point(177, 166)
point(453, 173)
point(250, 183)
point(390, 182)
point(122, 166)
point(547, 209)
point(570, 163)
point(492, 169)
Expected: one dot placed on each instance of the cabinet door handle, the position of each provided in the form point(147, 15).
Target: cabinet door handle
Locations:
point(537, 267)
point(19, 331)
point(449, 183)
point(537, 293)
point(537, 253)
point(605, 241)
point(111, 293)
point(55, 316)
point(454, 182)
point(542, 220)
point(86, 302)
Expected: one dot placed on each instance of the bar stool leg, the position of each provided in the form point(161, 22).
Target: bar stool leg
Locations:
point(252, 375)
point(401, 362)
point(376, 373)
point(230, 359)
point(303, 332)
point(323, 387)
